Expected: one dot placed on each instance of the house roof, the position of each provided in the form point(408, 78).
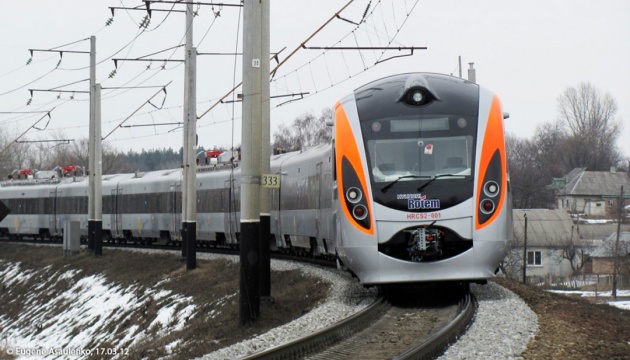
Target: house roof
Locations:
point(600, 231)
point(606, 249)
point(582, 182)
point(544, 227)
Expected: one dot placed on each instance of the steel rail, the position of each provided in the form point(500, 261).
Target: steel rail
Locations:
point(436, 344)
point(327, 337)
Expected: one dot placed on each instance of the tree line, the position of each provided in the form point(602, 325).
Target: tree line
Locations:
point(305, 131)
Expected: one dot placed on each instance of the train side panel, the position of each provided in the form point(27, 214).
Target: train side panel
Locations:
point(31, 210)
point(71, 204)
point(305, 201)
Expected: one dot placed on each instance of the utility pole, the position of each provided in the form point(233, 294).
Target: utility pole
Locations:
point(190, 166)
point(187, 145)
point(616, 255)
point(91, 147)
point(265, 153)
point(98, 174)
point(249, 296)
point(525, 252)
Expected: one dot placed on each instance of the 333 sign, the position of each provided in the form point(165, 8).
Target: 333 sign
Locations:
point(271, 181)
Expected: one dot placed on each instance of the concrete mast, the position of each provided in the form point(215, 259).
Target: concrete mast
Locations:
point(265, 153)
point(249, 296)
point(98, 174)
point(186, 146)
point(91, 145)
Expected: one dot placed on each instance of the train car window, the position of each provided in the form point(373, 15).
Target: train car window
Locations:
point(83, 202)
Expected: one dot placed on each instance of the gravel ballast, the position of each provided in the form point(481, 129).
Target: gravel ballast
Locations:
point(503, 324)
point(502, 328)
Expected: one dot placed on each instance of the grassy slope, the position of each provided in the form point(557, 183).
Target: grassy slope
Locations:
point(212, 288)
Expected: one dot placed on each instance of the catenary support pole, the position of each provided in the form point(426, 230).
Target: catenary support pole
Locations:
point(190, 167)
point(249, 296)
point(265, 153)
point(186, 145)
point(616, 254)
point(91, 145)
point(98, 175)
point(525, 251)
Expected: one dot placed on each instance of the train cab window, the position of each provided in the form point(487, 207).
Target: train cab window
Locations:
point(421, 157)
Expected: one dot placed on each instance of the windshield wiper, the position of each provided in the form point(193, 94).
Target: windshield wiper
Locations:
point(433, 179)
point(386, 187)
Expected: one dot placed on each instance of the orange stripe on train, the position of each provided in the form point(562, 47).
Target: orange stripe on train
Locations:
point(493, 140)
point(346, 145)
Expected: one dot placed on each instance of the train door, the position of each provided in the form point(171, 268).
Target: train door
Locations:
point(229, 217)
point(276, 229)
point(174, 208)
point(116, 216)
point(52, 220)
point(318, 200)
point(59, 215)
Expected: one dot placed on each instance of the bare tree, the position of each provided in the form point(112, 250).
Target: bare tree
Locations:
point(623, 253)
point(305, 131)
point(573, 250)
point(512, 264)
point(14, 155)
point(46, 155)
point(587, 115)
point(533, 164)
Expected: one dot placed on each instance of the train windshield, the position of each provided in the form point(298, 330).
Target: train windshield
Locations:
point(416, 149)
point(421, 156)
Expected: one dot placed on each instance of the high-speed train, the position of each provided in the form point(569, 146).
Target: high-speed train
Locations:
point(413, 188)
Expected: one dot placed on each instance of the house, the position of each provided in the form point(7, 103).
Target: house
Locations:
point(601, 260)
point(554, 247)
point(593, 193)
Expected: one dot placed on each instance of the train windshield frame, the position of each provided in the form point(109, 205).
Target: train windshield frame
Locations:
point(410, 151)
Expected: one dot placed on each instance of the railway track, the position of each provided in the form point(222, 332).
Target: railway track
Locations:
point(394, 328)
point(171, 247)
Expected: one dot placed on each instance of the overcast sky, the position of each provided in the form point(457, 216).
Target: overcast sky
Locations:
point(526, 52)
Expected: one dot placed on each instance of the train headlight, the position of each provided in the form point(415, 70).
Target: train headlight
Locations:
point(491, 188)
point(355, 198)
point(417, 96)
point(354, 195)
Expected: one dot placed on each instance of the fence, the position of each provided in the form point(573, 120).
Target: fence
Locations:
point(583, 282)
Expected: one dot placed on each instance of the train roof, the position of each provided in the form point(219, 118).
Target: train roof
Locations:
point(304, 155)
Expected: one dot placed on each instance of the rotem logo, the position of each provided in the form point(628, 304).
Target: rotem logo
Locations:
point(422, 203)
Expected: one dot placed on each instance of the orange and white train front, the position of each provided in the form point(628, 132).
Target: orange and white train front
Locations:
point(422, 183)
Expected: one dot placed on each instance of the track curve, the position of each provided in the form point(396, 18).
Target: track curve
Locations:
point(403, 331)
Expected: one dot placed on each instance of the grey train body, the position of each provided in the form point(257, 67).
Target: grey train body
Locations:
point(147, 206)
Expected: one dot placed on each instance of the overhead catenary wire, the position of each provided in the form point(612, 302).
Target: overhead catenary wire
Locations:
point(24, 133)
point(221, 99)
point(332, 77)
point(379, 59)
point(283, 61)
point(140, 107)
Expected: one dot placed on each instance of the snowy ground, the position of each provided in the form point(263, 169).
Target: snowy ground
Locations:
point(622, 304)
point(43, 332)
